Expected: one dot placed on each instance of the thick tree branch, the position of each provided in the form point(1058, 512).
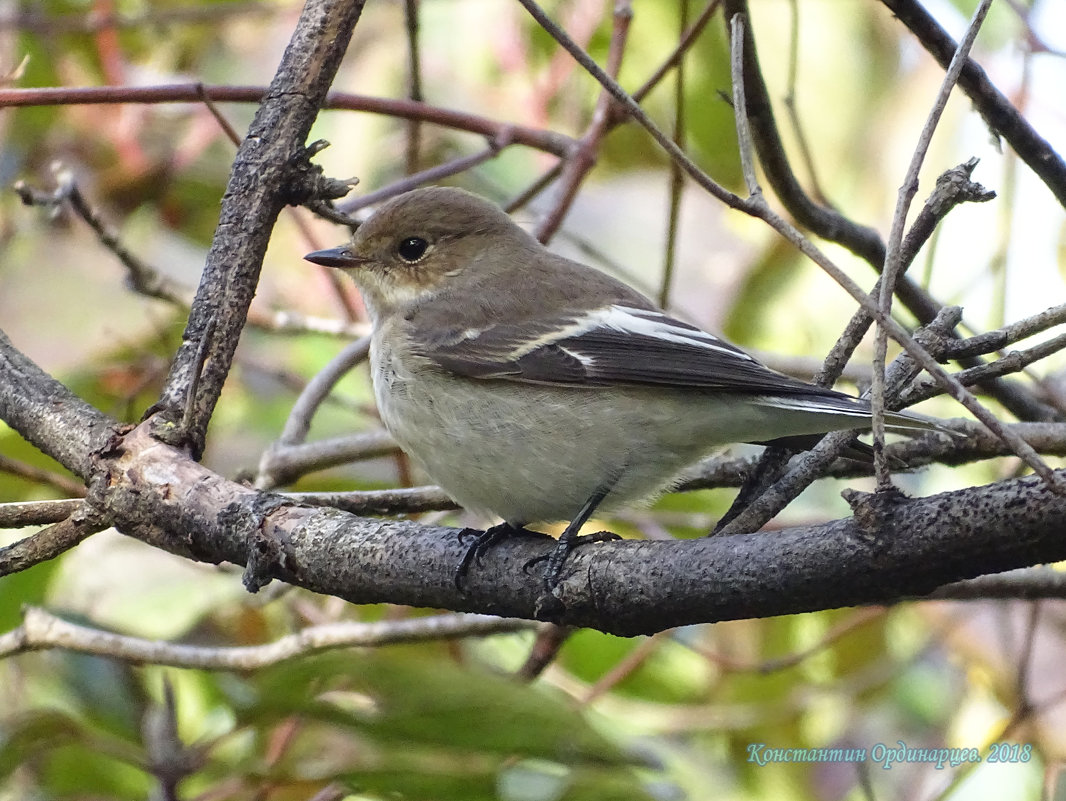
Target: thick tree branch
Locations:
point(889, 550)
point(47, 414)
point(270, 171)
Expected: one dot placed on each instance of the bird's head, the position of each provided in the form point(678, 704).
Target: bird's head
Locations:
point(417, 243)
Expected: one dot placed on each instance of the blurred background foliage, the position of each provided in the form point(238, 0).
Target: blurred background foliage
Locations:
point(668, 717)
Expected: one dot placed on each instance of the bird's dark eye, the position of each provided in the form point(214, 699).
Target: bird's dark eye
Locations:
point(412, 249)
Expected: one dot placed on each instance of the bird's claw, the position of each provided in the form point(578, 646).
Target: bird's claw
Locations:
point(483, 541)
point(557, 556)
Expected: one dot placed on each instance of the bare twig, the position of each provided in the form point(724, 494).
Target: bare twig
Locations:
point(535, 188)
point(625, 667)
point(994, 340)
point(1012, 362)
point(677, 179)
point(271, 170)
point(299, 422)
point(283, 463)
point(42, 630)
point(740, 106)
point(630, 106)
point(823, 220)
point(414, 83)
point(582, 158)
point(405, 500)
point(789, 102)
point(951, 386)
point(548, 141)
point(829, 224)
point(144, 279)
point(860, 618)
point(549, 641)
point(952, 188)
point(1025, 584)
point(37, 513)
point(151, 282)
point(893, 257)
point(688, 38)
point(431, 175)
point(51, 542)
point(99, 19)
point(777, 492)
point(41, 476)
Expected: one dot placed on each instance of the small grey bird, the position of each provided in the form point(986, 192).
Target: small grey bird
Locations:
point(538, 389)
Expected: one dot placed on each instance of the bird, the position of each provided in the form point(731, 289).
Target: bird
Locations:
point(537, 389)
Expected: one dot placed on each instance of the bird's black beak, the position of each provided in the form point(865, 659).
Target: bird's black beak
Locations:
point(334, 257)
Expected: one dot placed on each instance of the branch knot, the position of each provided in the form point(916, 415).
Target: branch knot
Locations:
point(309, 186)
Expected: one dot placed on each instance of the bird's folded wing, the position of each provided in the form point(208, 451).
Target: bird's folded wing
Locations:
point(615, 345)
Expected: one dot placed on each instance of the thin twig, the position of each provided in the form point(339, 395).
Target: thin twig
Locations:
point(41, 630)
point(632, 108)
point(284, 463)
point(535, 188)
point(828, 223)
point(1025, 584)
point(98, 19)
point(740, 106)
point(893, 259)
point(432, 175)
point(625, 667)
point(39, 475)
point(789, 102)
point(546, 646)
point(991, 341)
point(275, 467)
point(151, 282)
point(688, 38)
point(858, 619)
point(677, 179)
point(37, 513)
point(142, 278)
point(581, 159)
point(405, 500)
point(414, 84)
point(319, 387)
point(51, 542)
point(777, 491)
point(1012, 362)
point(548, 141)
point(821, 219)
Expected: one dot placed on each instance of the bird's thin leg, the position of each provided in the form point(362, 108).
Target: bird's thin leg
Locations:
point(483, 540)
point(569, 539)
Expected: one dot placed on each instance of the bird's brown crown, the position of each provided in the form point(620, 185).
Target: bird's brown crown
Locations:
point(415, 241)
